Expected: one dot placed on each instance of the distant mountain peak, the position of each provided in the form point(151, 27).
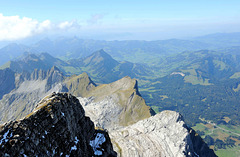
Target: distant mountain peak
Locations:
point(45, 55)
point(100, 59)
point(31, 61)
point(101, 53)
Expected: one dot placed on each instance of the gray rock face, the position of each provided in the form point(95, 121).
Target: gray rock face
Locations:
point(7, 81)
point(117, 107)
point(30, 89)
point(104, 113)
point(57, 127)
point(117, 104)
point(164, 134)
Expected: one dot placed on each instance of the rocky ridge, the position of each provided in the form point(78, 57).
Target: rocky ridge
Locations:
point(117, 107)
point(57, 127)
point(116, 104)
point(29, 89)
point(7, 82)
point(164, 134)
point(79, 85)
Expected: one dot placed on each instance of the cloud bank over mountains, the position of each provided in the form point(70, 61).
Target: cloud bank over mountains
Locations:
point(107, 26)
point(15, 27)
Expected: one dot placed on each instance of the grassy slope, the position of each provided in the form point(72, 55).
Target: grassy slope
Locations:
point(134, 106)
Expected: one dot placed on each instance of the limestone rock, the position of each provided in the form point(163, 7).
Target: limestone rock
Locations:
point(163, 135)
point(57, 127)
point(30, 89)
point(7, 81)
point(116, 104)
point(117, 107)
point(104, 114)
point(127, 104)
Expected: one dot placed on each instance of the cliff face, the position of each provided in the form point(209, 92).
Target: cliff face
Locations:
point(57, 127)
point(29, 89)
point(164, 134)
point(126, 106)
point(7, 81)
point(120, 108)
point(116, 104)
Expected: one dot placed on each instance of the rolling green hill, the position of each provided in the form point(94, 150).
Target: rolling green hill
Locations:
point(202, 83)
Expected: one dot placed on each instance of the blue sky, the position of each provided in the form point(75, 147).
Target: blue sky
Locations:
point(115, 19)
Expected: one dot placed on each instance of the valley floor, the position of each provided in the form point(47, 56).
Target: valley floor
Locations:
point(226, 138)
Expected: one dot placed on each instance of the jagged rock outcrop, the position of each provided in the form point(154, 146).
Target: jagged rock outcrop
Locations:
point(117, 107)
point(163, 135)
point(26, 89)
point(57, 127)
point(127, 104)
point(29, 89)
point(7, 81)
point(116, 104)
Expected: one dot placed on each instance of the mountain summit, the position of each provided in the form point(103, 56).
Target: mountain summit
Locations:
point(57, 127)
point(101, 62)
point(100, 55)
point(116, 104)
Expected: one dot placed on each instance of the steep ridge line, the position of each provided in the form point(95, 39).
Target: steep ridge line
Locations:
point(57, 127)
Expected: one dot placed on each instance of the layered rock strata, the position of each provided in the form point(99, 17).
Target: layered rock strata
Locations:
point(162, 135)
point(57, 127)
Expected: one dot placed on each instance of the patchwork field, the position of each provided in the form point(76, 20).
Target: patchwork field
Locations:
point(226, 138)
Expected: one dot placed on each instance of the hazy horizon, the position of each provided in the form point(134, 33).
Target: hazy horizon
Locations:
point(117, 20)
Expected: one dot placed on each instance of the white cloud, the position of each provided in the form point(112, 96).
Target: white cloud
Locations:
point(14, 27)
point(45, 25)
point(67, 25)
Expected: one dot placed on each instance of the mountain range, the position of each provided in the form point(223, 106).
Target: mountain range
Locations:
point(200, 82)
point(212, 75)
point(132, 51)
point(117, 107)
point(100, 65)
